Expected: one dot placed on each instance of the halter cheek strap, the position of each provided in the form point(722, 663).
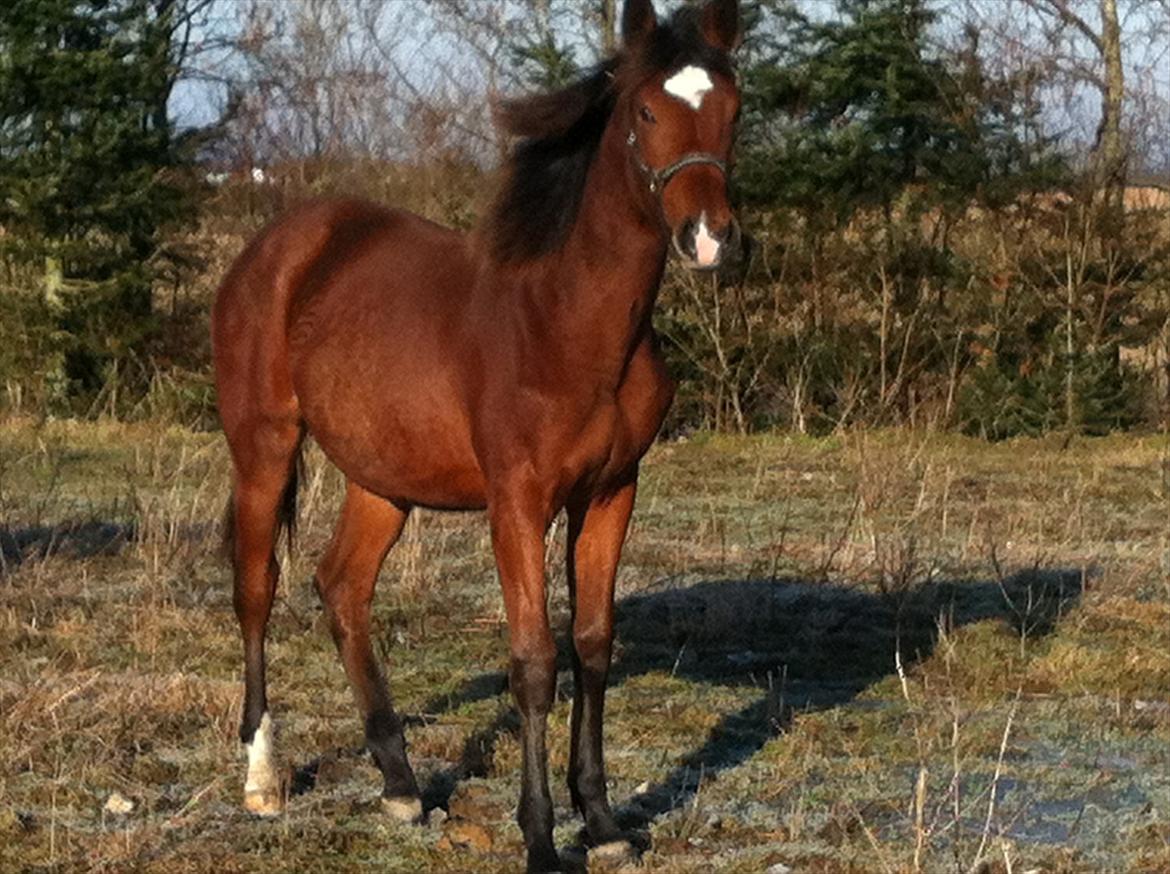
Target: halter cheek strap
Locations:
point(657, 179)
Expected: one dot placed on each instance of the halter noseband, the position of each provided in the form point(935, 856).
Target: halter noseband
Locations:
point(657, 179)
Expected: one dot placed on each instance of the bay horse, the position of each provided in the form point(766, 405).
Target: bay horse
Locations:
point(512, 369)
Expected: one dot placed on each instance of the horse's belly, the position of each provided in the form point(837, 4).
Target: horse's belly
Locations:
point(399, 433)
point(418, 467)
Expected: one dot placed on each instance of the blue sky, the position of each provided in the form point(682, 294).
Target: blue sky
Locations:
point(420, 47)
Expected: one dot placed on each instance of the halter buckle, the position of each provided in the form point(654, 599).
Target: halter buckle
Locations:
point(657, 179)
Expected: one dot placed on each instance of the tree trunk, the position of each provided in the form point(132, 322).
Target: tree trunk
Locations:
point(1110, 149)
point(1111, 146)
point(1070, 373)
point(544, 18)
point(609, 34)
point(161, 32)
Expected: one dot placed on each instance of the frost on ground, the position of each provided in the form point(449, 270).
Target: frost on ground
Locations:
point(879, 652)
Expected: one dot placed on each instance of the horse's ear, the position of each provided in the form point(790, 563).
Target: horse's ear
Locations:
point(719, 24)
point(638, 21)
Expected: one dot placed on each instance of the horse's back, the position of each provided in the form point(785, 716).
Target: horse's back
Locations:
point(373, 265)
point(298, 256)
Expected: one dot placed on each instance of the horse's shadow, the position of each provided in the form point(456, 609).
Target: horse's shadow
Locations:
point(805, 646)
point(79, 539)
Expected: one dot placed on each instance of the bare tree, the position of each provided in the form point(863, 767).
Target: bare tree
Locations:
point(1084, 44)
point(1107, 75)
point(310, 88)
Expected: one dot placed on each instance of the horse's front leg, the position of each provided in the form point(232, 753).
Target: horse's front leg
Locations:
point(519, 519)
point(597, 530)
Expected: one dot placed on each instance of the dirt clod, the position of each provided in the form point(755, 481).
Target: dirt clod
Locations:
point(460, 833)
point(476, 803)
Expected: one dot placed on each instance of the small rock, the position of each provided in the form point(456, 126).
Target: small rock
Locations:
point(619, 850)
point(468, 834)
point(779, 868)
point(119, 804)
point(436, 817)
point(642, 788)
point(1156, 706)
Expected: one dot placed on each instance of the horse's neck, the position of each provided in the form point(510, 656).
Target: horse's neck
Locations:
point(605, 282)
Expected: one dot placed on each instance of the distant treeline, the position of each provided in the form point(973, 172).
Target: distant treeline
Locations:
point(923, 250)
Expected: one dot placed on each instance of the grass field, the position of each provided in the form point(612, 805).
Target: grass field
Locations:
point(881, 652)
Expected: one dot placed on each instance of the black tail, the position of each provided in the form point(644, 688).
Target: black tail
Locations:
point(286, 518)
point(287, 512)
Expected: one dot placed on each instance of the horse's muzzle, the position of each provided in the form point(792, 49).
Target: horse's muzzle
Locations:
point(702, 247)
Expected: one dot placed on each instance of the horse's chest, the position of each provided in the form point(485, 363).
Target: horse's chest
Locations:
point(588, 442)
point(574, 437)
point(621, 432)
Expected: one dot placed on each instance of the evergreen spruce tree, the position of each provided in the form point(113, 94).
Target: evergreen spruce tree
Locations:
point(542, 59)
point(543, 63)
point(861, 118)
point(88, 167)
point(852, 110)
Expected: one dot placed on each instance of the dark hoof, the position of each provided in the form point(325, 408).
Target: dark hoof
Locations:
point(547, 863)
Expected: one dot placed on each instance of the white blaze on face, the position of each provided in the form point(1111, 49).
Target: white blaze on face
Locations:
point(690, 85)
point(262, 776)
point(706, 246)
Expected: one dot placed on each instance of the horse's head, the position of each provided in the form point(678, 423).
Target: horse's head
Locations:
point(679, 104)
point(670, 100)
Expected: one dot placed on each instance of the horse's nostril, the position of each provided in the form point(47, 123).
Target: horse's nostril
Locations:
point(734, 236)
point(684, 238)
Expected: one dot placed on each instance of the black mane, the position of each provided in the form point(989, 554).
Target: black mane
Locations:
point(560, 134)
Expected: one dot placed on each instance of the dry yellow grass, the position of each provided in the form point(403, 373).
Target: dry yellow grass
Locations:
point(757, 715)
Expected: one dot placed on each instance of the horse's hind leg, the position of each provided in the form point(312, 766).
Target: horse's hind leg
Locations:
point(265, 470)
point(369, 526)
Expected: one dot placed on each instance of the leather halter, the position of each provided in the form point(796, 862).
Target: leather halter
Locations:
point(657, 179)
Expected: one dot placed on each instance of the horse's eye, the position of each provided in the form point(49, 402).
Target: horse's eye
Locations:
point(647, 115)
